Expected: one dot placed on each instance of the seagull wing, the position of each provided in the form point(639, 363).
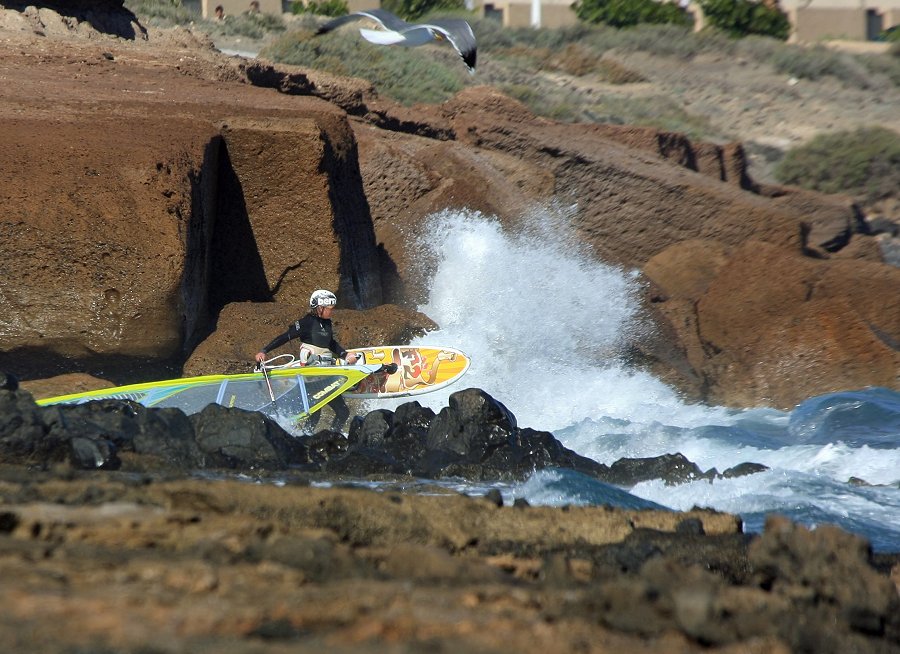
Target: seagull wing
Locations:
point(460, 35)
point(385, 19)
point(383, 37)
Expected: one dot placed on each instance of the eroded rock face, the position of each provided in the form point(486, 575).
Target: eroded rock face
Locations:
point(761, 325)
point(652, 200)
point(133, 219)
point(182, 182)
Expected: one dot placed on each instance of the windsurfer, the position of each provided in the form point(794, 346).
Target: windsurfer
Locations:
point(318, 346)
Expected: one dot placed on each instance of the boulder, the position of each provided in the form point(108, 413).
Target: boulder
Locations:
point(827, 325)
point(22, 432)
point(75, 382)
point(244, 440)
point(98, 432)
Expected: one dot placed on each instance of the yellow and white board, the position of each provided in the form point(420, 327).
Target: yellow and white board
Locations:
point(419, 370)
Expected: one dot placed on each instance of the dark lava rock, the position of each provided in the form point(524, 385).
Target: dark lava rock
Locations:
point(114, 426)
point(238, 439)
point(22, 432)
point(672, 468)
point(8, 382)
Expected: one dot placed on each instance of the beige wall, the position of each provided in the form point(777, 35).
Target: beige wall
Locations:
point(821, 20)
point(362, 5)
point(518, 13)
point(816, 24)
point(858, 20)
point(878, 5)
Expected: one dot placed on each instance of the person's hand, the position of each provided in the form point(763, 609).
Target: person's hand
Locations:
point(352, 358)
point(260, 357)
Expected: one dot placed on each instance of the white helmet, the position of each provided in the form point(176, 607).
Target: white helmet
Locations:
point(322, 298)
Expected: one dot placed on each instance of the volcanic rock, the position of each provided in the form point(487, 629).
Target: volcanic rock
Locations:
point(753, 340)
point(173, 193)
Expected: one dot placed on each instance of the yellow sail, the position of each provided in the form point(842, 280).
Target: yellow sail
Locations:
point(290, 392)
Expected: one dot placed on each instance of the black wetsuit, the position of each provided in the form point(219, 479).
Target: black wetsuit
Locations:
point(313, 330)
point(309, 329)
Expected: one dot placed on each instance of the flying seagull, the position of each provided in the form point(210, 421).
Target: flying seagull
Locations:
point(396, 31)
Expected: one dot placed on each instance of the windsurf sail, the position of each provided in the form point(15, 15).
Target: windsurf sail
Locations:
point(293, 393)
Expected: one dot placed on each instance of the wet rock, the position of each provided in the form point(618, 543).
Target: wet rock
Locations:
point(472, 426)
point(673, 468)
point(22, 432)
point(371, 429)
point(164, 435)
point(744, 469)
point(324, 446)
point(365, 461)
point(238, 439)
point(89, 453)
point(475, 437)
point(8, 382)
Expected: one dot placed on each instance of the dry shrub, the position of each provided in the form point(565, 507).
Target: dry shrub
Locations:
point(575, 60)
point(615, 73)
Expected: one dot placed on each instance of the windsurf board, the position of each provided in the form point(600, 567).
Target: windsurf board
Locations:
point(419, 370)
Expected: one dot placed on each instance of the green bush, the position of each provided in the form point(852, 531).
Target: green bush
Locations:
point(864, 163)
point(891, 35)
point(163, 13)
point(415, 9)
point(628, 13)
point(253, 26)
point(320, 7)
point(742, 17)
point(819, 61)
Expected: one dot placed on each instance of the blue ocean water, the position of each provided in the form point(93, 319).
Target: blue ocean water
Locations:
point(545, 323)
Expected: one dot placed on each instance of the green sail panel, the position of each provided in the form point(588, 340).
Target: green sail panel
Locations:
point(297, 392)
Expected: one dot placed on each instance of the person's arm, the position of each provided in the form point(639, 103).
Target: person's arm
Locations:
point(341, 353)
point(278, 341)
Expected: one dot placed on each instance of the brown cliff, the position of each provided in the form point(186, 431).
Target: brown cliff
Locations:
point(149, 183)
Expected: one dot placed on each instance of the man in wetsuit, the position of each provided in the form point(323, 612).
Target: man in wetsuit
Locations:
point(317, 347)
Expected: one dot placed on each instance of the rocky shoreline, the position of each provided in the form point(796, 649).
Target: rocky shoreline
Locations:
point(126, 529)
point(165, 228)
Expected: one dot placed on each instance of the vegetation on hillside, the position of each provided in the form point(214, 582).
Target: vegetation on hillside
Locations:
point(864, 163)
point(745, 17)
point(549, 69)
point(168, 13)
point(414, 9)
point(628, 13)
point(321, 7)
point(396, 74)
